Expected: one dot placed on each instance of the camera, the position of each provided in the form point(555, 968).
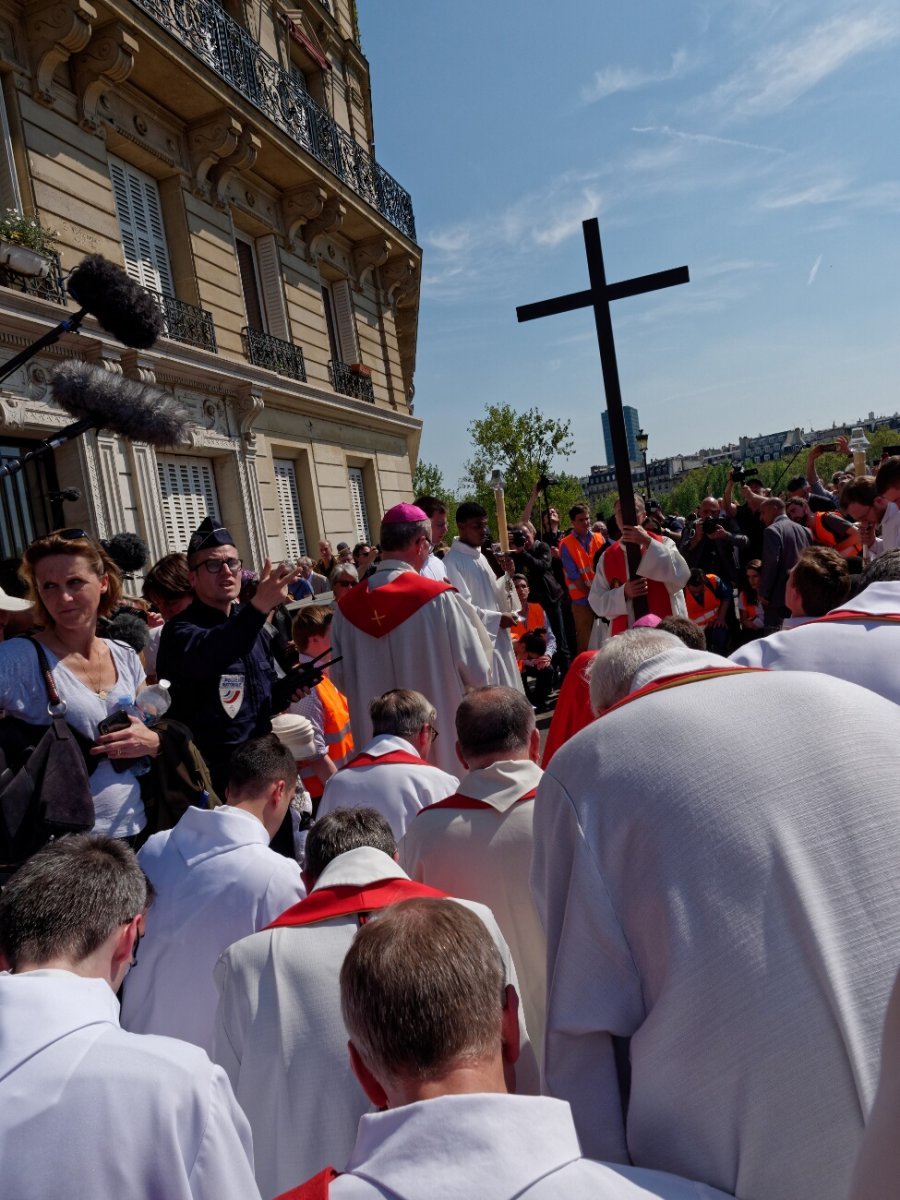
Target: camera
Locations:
point(711, 524)
point(517, 538)
point(546, 481)
point(737, 472)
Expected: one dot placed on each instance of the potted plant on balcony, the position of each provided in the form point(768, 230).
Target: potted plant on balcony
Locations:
point(25, 246)
point(361, 369)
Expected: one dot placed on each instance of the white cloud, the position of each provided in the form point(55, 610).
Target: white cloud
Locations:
point(681, 135)
point(782, 73)
point(609, 80)
point(813, 271)
point(836, 190)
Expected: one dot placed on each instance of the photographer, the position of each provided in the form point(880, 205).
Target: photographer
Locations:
point(712, 545)
point(534, 560)
point(746, 515)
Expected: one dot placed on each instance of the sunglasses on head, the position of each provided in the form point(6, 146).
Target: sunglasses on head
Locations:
point(72, 535)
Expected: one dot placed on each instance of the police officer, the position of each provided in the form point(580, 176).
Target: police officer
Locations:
point(214, 653)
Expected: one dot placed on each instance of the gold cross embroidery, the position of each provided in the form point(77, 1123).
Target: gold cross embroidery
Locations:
point(377, 618)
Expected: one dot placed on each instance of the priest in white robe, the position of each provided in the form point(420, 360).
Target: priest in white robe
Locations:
point(396, 629)
point(280, 1035)
point(494, 599)
point(660, 578)
point(859, 640)
point(722, 918)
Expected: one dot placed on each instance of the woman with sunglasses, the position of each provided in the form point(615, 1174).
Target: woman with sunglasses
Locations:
point(72, 582)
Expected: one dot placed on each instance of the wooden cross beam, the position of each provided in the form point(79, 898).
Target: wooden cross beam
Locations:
point(599, 296)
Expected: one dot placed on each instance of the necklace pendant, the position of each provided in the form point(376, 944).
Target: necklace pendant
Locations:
point(102, 693)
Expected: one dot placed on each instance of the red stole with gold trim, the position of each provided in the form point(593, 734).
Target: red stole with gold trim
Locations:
point(377, 611)
point(670, 681)
point(615, 567)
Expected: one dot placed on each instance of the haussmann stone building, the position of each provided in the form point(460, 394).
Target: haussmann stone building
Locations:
point(223, 153)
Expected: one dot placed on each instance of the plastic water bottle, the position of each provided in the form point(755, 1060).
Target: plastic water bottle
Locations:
point(153, 702)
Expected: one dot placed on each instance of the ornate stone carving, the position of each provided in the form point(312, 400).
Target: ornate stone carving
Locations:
point(329, 220)
point(108, 61)
point(368, 255)
point(399, 278)
point(210, 143)
point(139, 366)
point(248, 406)
point(12, 412)
point(241, 159)
point(301, 206)
point(57, 30)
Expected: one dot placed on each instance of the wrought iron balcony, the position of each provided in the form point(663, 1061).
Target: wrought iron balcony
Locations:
point(186, 322)
point(51, 286)
point(229, 50)
point(351, 383)
point(263, 350)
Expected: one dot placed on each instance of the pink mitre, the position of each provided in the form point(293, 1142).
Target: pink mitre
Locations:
point(649, 622)
point(403, 514)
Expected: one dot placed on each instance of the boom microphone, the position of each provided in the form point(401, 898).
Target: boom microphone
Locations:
point(125, 309)
point(137, 411)
point(65, 494)
point(128, 551)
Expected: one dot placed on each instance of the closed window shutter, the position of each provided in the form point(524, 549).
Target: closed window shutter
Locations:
point(343, 312)
point(289, 503)
point(10, 197)
point(358, 504)
point(269, 263)
point(252, 300)
point(143, 233)
point(188, 487)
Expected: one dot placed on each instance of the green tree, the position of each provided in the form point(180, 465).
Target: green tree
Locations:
point(428, 480)
point(523, 446)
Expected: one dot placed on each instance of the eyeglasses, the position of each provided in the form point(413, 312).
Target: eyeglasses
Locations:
point(431, 729)
point(72, 535)
point(215, 565)
point(342, 583)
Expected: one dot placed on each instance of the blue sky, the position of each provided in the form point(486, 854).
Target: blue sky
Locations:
point(753, 140)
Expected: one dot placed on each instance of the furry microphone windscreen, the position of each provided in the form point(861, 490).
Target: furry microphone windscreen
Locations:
point(125, 309)
point(137, 411)
point(123, 626)
point(128, 551)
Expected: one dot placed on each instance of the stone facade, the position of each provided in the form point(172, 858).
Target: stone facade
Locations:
point(222, 153)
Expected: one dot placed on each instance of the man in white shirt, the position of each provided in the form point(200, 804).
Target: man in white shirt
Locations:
point(87, 1109)
point(398, 629)
point(722, 917)
point(279, 1032)
point(478, 842)
point(873, 501)
point(858, 641)
point(494, 599)
point(392, 773)
point(434, 1042)
point(436, 511)
point(216, 881)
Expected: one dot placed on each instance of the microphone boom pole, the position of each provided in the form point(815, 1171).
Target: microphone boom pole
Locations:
point(14, 465)
point(70, 325)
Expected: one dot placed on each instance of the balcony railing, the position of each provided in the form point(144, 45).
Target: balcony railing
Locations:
point(263, 350)
point(187, 323)
point(350, 383)
point(48, 287)
point(229, 50)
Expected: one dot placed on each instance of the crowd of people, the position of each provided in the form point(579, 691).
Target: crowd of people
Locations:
point(339, 924)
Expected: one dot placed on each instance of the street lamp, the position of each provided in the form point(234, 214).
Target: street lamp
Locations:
point(641, 440)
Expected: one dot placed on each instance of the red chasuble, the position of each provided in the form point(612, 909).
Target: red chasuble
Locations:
point(324, 904)
point(615, 567)
point(392, 756)
point(377, 611)
point(459, 801)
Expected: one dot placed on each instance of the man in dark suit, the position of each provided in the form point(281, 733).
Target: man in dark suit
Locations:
point(783, 540)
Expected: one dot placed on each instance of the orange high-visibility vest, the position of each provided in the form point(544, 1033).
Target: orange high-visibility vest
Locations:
point(696, 610)
point(824, 537)
point(584, 561)
point(338, 737)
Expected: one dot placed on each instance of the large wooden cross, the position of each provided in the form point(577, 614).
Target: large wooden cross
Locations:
point(599, 296)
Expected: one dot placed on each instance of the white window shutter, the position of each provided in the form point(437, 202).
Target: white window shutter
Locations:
point(289, 504)
point(188, 487)
point(358, 504)
point(343, 311)
point(10, 197)
point(140, 220)
point(268, 262)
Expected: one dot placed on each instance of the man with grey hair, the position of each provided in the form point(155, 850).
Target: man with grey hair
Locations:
point(398, 629)
point(722, 920)
point(478, 842)
point(433, 1040)
point(279, 1033)
point(86, 1108)
point(783, 541)
point(392, 773)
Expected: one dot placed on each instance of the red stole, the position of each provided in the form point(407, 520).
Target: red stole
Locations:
point(573, 706)
point(459, 801)
point(392, 756)
point(316, 1188)
point(378, 611)
point(615, 568)
point(324, 904)
point(670, 681)
point(845, 614)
